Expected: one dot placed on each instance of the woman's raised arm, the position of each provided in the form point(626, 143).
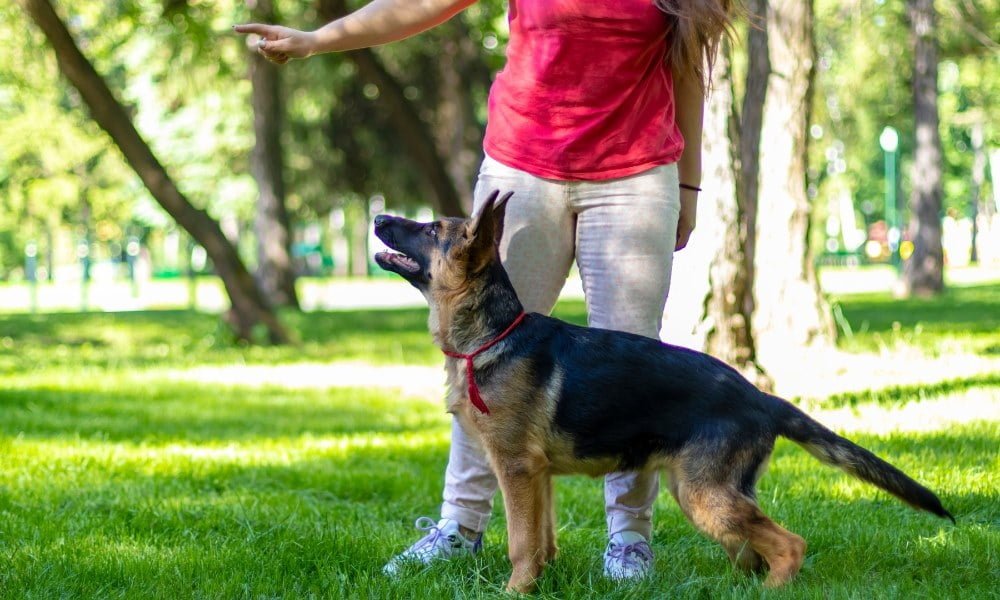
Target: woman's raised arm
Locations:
point(376, 23)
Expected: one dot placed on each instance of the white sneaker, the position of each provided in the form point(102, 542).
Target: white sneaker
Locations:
point(628, 556)
point(442, 542)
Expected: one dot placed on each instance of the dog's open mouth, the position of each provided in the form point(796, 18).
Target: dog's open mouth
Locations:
point(400, 261)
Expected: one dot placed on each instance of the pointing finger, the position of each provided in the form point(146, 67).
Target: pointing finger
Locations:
point(259, 29)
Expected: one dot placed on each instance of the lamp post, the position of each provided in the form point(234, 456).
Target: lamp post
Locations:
point(131, 258)
point(83, 253)
point(889, 141)
point(31, 272)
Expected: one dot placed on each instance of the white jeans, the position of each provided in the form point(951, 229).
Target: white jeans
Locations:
point(622, 234)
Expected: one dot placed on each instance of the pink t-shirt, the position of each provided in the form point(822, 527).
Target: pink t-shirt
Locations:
point(586, 92)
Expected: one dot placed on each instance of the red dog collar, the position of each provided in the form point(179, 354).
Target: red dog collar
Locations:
point(470, 376)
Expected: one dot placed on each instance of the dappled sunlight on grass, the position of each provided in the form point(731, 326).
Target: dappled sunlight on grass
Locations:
point(960, 463)
point(411, 381)
point(97, 515)
point(75, 341)
point(172, 457)
point(322, 511)
point(920, 412)
point(146, 456)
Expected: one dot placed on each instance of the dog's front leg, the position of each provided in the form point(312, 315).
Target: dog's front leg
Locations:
point(523, 499)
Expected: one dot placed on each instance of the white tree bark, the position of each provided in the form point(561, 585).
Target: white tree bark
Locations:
point(790, 311)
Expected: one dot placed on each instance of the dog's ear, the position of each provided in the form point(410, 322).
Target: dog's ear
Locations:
point(486, 227)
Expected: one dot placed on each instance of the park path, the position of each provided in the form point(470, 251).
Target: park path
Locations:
point(321, 294)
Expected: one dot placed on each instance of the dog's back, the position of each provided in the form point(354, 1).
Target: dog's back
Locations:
point(631, 401)
point(630, 396)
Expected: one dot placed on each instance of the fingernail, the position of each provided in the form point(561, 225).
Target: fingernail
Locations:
point(261, 43)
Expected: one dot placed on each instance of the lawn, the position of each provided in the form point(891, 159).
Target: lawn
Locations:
point(122, 477)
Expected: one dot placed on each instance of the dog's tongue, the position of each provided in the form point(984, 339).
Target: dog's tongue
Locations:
point(400, 260)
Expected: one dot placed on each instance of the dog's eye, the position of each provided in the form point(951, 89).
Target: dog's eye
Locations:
point(431, 230)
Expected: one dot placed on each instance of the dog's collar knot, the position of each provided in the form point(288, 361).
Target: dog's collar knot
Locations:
point(470, 376)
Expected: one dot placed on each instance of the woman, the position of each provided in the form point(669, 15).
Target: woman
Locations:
point(587, 126)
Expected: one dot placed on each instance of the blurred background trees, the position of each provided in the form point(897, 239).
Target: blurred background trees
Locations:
point(291, 163)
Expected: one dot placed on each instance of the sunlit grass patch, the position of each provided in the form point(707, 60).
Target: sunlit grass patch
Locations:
point(963, 319)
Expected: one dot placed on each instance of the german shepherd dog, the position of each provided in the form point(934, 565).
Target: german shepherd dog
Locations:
point(546, 398)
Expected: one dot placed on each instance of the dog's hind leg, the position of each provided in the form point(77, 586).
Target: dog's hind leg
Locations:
point(742, 555)
point(748, 535)
point(524, 488)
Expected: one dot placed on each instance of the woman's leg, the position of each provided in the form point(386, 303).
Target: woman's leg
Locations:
point(537, 251)
point(626, 231)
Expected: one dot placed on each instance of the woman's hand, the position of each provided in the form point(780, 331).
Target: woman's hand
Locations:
point(376, 23)
point(280, 44)
point(688, 215)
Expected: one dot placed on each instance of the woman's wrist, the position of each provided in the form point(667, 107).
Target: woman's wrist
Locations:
point(324, 39)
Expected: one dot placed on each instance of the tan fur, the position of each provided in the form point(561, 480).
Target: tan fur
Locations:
point(525, 450)
point(737, 523)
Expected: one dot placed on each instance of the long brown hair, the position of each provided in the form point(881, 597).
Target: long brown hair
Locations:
point(696, 28)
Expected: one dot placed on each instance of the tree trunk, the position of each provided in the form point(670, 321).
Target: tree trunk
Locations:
point(459, 134)
point(923, 273)
point(359, 238)
point(729, 303)
point(790, 311)
point(275, 272)
point(978, 181)
point(414, 133)
point(248, 307)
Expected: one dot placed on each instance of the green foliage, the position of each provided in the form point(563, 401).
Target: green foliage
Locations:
point(53, 159)
point(182, 73)
point(187, 96)
point(863, 85)
point(341, 143)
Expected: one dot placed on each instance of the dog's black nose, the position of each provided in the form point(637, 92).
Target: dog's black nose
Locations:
point(381, 220)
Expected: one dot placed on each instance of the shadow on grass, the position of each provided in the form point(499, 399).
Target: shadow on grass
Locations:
point(183, 338)
point(164, 326)
point(163, 412)
point(178, 338)
point(899, 395)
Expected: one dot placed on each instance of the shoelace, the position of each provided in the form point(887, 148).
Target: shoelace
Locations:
point(628, 554)
point(434, 535)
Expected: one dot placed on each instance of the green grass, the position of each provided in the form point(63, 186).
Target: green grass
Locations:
point(117, 482)
point(964, 318)
point(131, 340)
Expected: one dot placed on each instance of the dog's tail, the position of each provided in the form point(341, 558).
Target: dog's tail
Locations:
point(836, 451)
